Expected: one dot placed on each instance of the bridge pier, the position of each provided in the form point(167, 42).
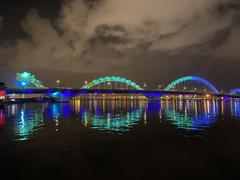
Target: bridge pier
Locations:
point(64, 96)
point(153, 96)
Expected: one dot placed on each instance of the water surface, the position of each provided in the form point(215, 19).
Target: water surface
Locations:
point(144, 136)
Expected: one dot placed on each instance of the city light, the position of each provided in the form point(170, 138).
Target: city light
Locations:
point(58, 82)
point(144, 84)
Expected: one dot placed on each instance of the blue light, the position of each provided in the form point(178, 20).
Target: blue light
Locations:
point(235, 91)
point(55, 94)
point(192, 78)
point(23, 84)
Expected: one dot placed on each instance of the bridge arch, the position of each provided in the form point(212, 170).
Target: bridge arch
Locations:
point(235, 91)
point(192, 78)
point(111, 79)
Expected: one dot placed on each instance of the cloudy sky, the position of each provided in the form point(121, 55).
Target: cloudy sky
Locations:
point(154, 41)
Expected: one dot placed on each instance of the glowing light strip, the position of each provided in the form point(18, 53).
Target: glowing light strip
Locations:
point(111, 79)
point(235, 91)
point(191, 78)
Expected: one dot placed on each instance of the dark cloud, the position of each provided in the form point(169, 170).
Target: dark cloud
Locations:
point(162, 38)
point(1, 20)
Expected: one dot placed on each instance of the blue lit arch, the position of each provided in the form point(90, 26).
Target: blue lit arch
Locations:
point(111, 79)
point(235, 91)
point(192, 78)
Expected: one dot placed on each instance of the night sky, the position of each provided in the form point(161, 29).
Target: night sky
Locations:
point(153, 41)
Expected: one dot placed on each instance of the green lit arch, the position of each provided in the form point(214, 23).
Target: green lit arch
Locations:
point(111, 79)
point(28, 79)
point(192, 78)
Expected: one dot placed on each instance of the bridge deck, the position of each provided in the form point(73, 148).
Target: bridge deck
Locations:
point(77, 91)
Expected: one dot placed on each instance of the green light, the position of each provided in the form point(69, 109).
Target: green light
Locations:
point(24, 128)
point(111, 79)
point(116, 123)
point(192, 78)
point(28, 79)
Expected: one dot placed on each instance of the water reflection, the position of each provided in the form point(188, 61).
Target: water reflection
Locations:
point(27, 119)
point(191, 114)
point(235, 109)
point(2, 118)
point(24, 121)
point(110, 115)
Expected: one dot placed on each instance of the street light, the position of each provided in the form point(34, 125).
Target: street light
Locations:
point(58, 82)
point(144, 84)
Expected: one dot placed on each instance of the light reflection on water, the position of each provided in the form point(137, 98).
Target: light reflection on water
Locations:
point(235, 109)
point(110, 115)
point(114, 116)
point(192, 115)
point(27, 120)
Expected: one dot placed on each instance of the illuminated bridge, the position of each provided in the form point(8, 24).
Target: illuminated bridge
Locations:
point(187, 85)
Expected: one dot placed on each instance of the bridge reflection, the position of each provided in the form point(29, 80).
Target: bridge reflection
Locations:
point(190, 114)
point(115, 116)
point(27, 120)
point(235, 109)
point(110, 115)
point(2, 118)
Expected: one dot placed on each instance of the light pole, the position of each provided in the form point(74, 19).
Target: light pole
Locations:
point(58, 82)
point(144, 85)
point(109, 85)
